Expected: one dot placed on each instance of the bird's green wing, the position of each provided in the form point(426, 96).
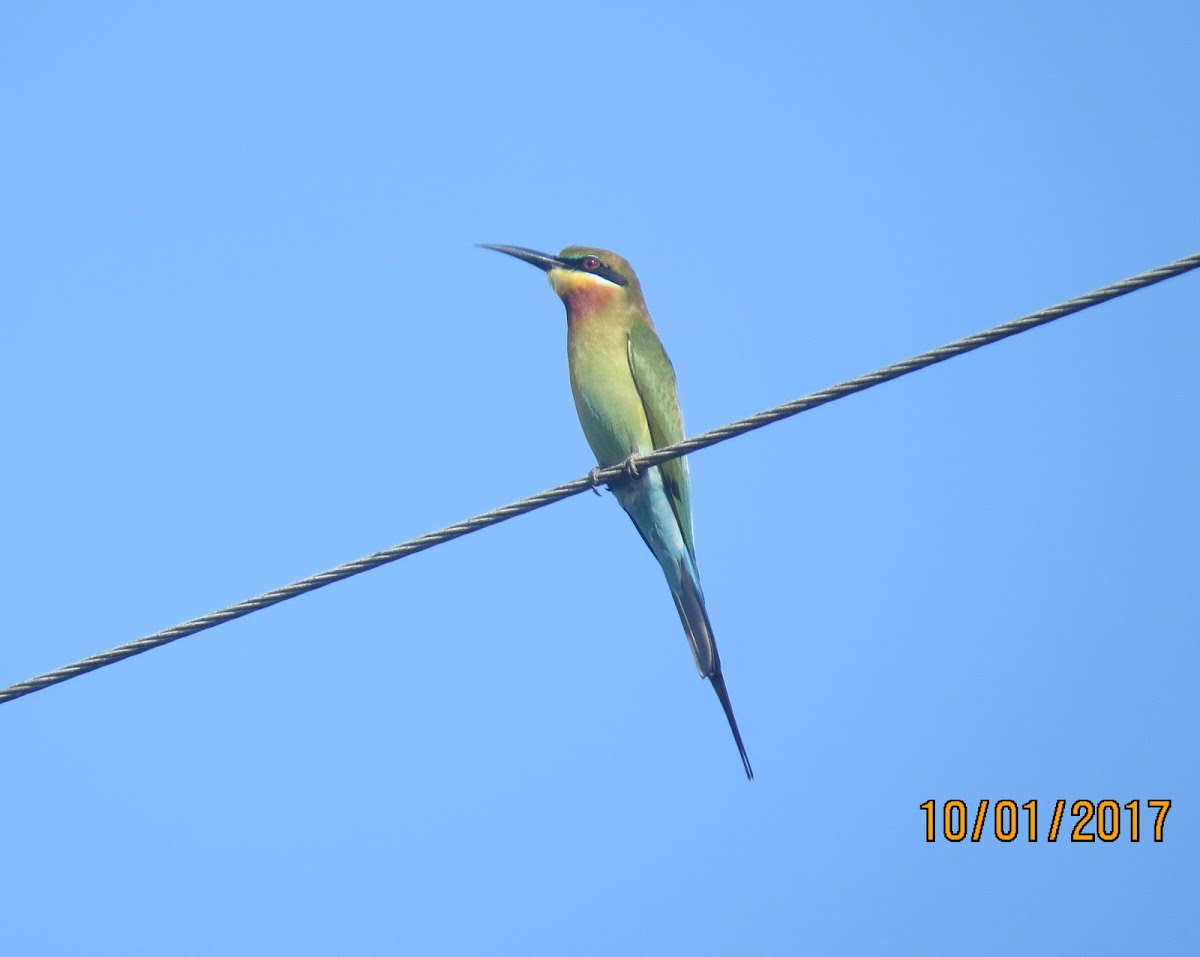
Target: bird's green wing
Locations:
point(654, 377)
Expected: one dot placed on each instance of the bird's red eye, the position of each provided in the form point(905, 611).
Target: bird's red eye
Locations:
point(591, 263)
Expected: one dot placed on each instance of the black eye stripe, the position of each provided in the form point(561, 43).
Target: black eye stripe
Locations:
point(607, 272)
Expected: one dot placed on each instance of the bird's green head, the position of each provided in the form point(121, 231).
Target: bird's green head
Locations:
point(587, 279)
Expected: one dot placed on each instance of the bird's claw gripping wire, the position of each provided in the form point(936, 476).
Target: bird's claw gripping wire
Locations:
point(629, 473)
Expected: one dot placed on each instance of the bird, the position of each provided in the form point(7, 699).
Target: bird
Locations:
point(628, 404)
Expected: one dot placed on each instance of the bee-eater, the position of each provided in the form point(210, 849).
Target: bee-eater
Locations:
point(628, 403)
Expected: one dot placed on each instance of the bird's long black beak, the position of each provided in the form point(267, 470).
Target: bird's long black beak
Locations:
point(543, 261)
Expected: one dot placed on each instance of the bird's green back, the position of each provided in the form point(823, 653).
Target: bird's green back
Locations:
point(654, 377)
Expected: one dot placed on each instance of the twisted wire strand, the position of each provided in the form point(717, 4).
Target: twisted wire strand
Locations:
point(611, 475)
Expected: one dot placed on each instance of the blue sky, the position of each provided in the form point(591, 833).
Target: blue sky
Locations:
point(245, 336)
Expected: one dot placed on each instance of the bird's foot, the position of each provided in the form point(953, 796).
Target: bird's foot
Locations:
point(594, 475)
point(629, 473)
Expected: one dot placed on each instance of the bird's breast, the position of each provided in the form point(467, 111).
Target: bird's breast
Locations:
point(606, 398)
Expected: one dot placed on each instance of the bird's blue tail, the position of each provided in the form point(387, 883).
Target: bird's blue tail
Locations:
point(646, 501)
